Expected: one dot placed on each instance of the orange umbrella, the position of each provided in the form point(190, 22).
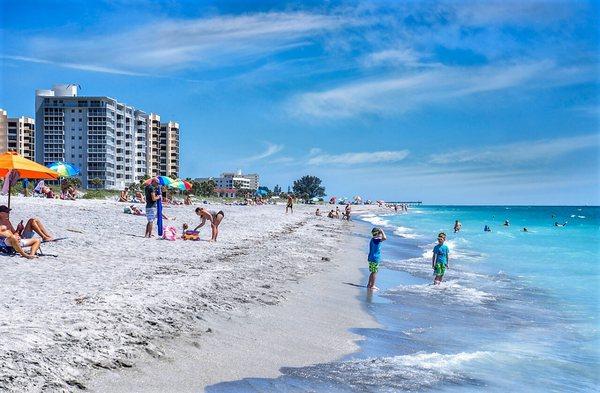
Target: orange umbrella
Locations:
point(27, 169)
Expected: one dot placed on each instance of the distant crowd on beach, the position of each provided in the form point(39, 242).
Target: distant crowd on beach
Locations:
point(68, 191)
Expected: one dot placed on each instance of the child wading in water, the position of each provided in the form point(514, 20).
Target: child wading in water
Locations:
point(439, 262)
point(375, 256)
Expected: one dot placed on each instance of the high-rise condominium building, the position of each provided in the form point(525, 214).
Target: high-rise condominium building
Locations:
point(17, 134)
point(163, 147)
point(21, 136)
point(108, 140)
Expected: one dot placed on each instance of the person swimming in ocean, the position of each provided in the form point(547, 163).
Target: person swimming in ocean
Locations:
point(457, 226)
point(556, 224)
point(525, 230)
point(506, 223)
point(486, 229)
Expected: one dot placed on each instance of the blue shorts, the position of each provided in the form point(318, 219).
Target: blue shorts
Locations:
point(151, 214)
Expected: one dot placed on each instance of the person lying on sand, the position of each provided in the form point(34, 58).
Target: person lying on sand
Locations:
point(33, 226)
point(135, 211)
point(331, 214)
point(9, 239)
point(215, 219)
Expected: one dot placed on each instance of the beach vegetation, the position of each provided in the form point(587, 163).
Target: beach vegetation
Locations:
point(204, 188)
point(308, 187)
point(100, 194)
point(96, 182)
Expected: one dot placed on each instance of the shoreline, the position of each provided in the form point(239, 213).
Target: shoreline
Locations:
point(311, 326)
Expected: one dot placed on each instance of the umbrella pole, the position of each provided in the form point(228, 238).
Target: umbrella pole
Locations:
point(9, 187)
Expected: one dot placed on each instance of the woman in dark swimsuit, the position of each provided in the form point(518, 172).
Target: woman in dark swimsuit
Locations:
point(215, 219)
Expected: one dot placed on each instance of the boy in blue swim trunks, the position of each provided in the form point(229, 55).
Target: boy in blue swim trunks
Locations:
point(375, 256)
point(439, 262)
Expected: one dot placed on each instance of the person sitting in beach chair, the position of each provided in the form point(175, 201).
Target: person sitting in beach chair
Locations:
point(48, 193)
point(11, 244)
point(27, 231)
point(124, 195)
point(139, 197)
point(67, 192)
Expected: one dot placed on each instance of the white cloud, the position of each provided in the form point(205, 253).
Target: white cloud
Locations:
point(393, 56)
point(270, 150)
point(317, 158)
point(76, 66)
point(400, 93)
point(210, 41)
point(517, 153)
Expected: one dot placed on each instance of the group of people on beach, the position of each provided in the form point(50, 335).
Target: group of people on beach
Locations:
point(138, 197)
point(345, 215)
point(153, 194)
point(67, 190)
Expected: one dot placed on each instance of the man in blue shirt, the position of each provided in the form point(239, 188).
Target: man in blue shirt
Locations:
point(439, 262)
point(375, 256)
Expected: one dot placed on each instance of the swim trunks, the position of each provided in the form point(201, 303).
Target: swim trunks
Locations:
point(440, 269)
point(27, 234)
point(151, 214)
point(373, 267)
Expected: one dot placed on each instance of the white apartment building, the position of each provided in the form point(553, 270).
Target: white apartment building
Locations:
point(229, 183)
point(106, 139)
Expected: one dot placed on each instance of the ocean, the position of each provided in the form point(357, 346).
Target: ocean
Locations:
point(517, 311)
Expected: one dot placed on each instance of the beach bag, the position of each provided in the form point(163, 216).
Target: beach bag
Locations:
point(170, 233)
point(191, 235)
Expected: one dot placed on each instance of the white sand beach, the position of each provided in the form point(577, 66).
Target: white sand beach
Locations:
point(112, 300)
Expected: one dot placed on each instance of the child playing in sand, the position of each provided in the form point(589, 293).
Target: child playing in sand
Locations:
point(439, 262)
point(375, 256)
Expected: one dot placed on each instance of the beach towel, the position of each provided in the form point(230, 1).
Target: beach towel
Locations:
point(170, 233)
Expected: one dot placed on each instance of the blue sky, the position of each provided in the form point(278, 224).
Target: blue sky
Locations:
point(445, 102)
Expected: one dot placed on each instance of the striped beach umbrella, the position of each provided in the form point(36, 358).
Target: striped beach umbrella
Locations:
point(162, 180)
point(181, 185)
point(64, 169)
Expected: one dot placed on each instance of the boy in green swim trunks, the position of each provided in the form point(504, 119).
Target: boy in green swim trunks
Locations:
point(439, 262)
point(375, 256)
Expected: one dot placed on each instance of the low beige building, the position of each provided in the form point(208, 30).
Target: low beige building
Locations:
point(21, 136)
point(17, 134)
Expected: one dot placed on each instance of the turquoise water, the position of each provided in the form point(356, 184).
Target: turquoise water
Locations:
point(517, 311)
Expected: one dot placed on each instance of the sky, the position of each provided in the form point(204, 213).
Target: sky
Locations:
point(445, 102)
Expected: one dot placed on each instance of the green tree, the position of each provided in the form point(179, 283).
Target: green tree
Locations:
point(308, 187)
point(75, 182)
point(143, 179)
point(203, 188)
point(135, 186)
point(96, 182)
point(276, 190)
